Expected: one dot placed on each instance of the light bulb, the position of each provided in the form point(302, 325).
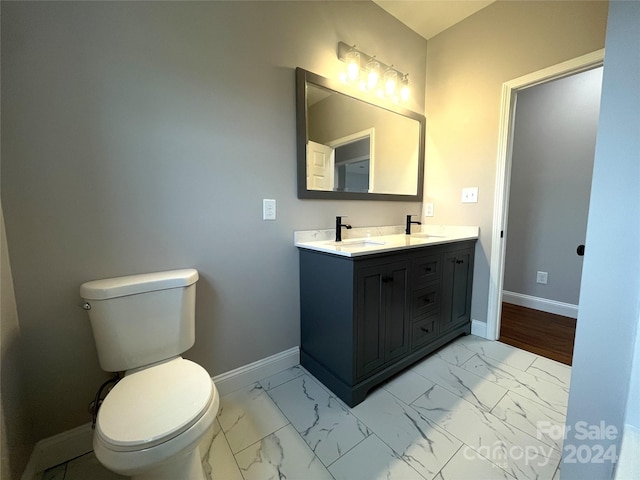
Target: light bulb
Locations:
point(405, 92)
point(390, 79)
point(373, 74)
point(353, 65)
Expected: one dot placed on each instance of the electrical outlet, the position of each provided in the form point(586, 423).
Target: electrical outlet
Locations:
point(470, 195)
point(428, 209)
point(542, 277)
point(268, 209)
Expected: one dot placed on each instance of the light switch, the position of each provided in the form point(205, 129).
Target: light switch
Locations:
point(268, 209)
point(470, 195)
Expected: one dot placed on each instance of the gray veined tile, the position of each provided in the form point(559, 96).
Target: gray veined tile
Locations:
point(88, 466)
point(55, 473)
point(504, 353)
point(281, 455)
point(552, 371)
point(282, 377)
point(455, 353)
point(247, 415)
point(322, 421)
point(523, 383)
point(464, 383)
point(542, 422)
point(408, 386)
point(466, 465)
point(412, 437)
point(219, 462)
point(372, 460)
point(519, 454)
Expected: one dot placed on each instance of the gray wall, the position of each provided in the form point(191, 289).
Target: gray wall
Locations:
point(142, 136)
point(16, 439)
point(466, 67)
point(609, 308)
point(553, 147)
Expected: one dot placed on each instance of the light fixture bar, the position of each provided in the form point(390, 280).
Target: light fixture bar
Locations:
point(343, 49)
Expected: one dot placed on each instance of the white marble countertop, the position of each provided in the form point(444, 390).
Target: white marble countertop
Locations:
point(369, 240)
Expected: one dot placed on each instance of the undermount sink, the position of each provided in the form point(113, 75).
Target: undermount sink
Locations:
point(357, 243)
point(427, 235)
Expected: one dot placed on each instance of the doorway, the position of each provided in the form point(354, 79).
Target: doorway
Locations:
point(354, 161)
point(503, 178)
point(554, 139)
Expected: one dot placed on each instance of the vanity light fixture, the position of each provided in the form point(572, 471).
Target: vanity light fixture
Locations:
point(364, 71)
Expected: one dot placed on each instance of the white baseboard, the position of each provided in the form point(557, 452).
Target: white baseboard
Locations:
point(478, 328)
point(78, 441)
point(249, 374)
point(542, 304)
point(58, 449)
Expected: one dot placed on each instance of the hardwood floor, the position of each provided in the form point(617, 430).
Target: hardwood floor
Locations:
point(538, 332)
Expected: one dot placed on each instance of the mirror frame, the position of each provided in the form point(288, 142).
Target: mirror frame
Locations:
point(303, 77)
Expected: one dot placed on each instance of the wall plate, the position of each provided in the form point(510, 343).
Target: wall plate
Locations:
point(268, 209)
point(470, 195)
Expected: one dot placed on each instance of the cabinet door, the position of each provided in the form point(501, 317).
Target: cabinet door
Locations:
point(397, 310)
point(456, 288)
point(369, 320)
point(382, 318)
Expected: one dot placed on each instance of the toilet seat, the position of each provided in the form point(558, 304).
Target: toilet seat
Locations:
point(154, 405)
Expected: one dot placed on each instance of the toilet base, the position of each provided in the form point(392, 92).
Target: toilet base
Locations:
point(187, 467)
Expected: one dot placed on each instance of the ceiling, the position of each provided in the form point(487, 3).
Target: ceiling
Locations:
point(430, 17)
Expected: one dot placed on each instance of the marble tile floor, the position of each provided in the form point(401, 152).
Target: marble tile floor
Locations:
point(473, 410)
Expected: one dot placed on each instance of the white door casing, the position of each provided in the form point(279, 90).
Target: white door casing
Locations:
point(503, 172)
point(368, 133)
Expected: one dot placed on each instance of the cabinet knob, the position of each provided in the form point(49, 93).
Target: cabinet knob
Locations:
point(427, 269)
point(424, 329)
point(459, 261)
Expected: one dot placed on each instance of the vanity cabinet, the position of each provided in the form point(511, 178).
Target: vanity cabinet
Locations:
point(367, 317)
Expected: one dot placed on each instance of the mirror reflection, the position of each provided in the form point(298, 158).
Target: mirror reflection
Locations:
point(350, 148)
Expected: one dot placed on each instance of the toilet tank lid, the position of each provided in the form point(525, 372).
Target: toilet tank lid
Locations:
point(141, 283)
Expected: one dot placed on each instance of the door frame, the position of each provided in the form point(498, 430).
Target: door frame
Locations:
point(503, 171)
point(354, 137)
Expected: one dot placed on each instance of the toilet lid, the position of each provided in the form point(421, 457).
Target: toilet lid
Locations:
point(153, 405)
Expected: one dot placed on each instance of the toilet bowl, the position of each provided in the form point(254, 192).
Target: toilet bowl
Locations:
point(152, 422)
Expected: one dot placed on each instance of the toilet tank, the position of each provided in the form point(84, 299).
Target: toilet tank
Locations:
point(141, 319)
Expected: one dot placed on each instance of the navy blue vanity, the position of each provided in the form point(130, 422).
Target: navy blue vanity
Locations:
point(371, 307)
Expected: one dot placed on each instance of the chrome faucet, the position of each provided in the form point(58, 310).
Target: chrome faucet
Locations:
point(409, 223)
point(339, 226)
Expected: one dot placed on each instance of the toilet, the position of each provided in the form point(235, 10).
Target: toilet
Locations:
point(150, 425)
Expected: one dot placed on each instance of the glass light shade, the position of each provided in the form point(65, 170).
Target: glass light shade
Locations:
point(390, 81)
point(353, 65)
point(405, 92)
point(373, 74)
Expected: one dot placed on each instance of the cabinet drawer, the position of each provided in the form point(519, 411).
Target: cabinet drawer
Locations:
point(426, 300)
point(426, 269)
point(423, 331)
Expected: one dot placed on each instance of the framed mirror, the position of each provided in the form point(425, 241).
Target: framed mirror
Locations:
point(350, 148)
